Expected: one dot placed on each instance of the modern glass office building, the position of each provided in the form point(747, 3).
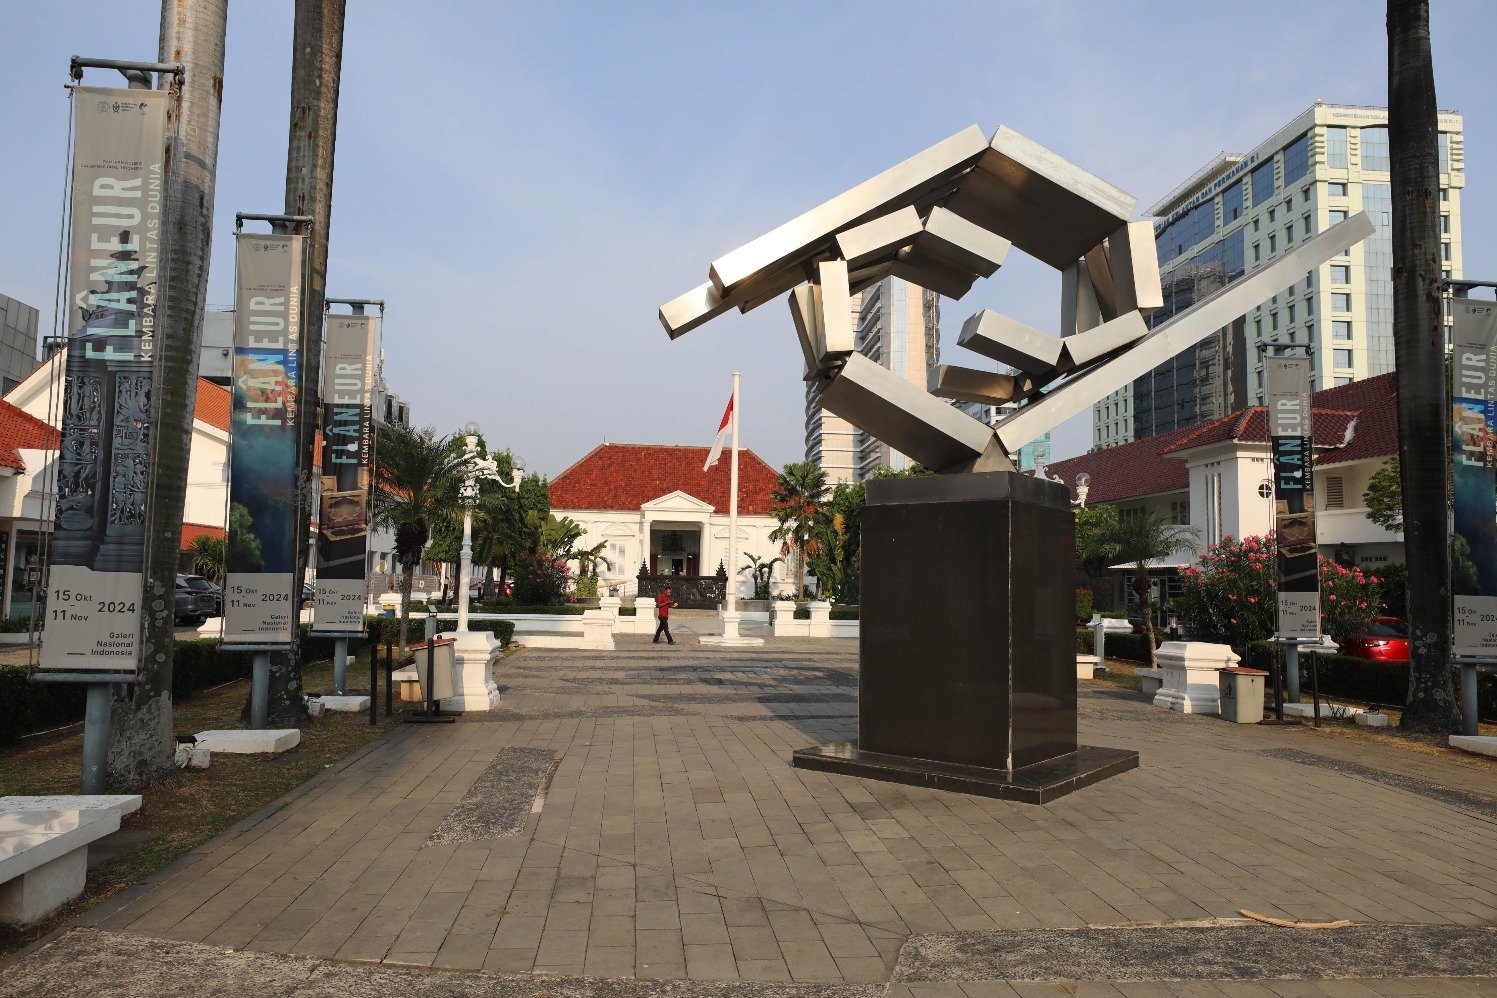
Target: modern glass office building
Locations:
point(1241, 211)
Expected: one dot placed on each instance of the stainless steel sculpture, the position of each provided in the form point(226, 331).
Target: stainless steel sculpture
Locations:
point(944, 218)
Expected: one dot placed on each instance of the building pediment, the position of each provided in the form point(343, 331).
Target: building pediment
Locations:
point(677, 502)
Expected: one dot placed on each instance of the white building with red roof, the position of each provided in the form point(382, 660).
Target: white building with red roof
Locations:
point(654, 504)
point(1215, 477)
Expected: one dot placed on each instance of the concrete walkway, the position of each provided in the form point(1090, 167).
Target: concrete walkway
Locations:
point(629, 824)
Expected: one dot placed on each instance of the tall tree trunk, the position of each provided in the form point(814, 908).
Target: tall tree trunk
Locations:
point(1145, 593)
point(141, 742)
point(1419, 354)
point(316, 67)
point(407, 577)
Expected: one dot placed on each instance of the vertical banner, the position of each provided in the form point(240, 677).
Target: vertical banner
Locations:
point(1294, 496)
point(260, 559)
point(1473, 563)
point(343, 518)
point(103, 463)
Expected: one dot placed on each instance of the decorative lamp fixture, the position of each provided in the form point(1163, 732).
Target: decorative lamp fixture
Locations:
point(1083, 486)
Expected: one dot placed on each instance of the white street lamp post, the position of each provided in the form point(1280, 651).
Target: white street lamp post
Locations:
point(477, 468)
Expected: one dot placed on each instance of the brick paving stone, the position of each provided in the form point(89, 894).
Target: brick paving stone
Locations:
point(676, 842)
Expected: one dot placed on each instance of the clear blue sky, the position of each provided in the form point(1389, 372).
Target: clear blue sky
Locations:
point(526, 183)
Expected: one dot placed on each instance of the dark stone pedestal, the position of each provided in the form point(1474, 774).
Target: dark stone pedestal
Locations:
point(968, 646)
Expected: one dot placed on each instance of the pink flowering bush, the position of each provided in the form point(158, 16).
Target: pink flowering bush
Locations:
point(542, 581)
point(1229, 594)
point(1349, 600)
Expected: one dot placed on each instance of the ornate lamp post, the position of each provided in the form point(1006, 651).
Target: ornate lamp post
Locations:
point(477, 468)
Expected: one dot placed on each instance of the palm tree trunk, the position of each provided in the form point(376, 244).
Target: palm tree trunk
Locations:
point(1142, 587)
point(800, 572)
point(1419, 354)
point(141, 742)
point(407, 577)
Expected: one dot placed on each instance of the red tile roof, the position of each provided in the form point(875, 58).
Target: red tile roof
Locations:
point(192, 531)
point(212, 404)
point(20, 429)
point(626, 476)
point(1154, 465)
point(1128, 470)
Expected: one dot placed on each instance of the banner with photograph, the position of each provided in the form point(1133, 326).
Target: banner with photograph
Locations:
point(260, 555)
point(1473, 562)
point(1294, 496)
point(94, 589)
point(343, 519)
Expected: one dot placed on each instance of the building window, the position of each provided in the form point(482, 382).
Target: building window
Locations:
point(1258, 329)
point(1335, 148)
point(1255, 225)
point(1257, 255)
point(1445, 224)
point(1232, 203)
point(1445, 251)
point(1340, 330)
point(1444, 195)
point(1337, 215)
point(1309, 330)
point(1288, 233)
point(1273, 322)
point(1296, 159)
point(1340, 301)
point(1375, 148)
point(1305, 223)
point(1291, 313)
point(1444, 152)
point(1338, 382)
point(1273, 213)
point(1341, 358)
point(1273, 242)
point(1336, 190)
point(1180, 511)
point(1262, 182)
point(1340, 273)
point(1335, 492)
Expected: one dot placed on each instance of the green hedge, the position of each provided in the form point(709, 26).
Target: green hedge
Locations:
point(507, 606)
point(21, 625)
point(627, 611)
point(1383, 683)
point(382, 629)
point(1128, 647)
point(836, 613)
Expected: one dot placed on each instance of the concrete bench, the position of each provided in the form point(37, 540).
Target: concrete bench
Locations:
point(44, 849)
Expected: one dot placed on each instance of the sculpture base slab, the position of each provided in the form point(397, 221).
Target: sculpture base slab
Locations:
point(1039, 783)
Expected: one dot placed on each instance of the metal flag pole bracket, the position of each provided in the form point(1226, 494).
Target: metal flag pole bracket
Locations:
point(79, 63)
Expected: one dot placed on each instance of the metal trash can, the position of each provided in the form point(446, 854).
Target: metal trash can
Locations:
point(1242, 695)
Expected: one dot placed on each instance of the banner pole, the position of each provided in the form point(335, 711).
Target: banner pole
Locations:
point(96, 738)
point(733, 513)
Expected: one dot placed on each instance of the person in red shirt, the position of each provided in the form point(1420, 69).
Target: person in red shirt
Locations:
point(663, 606)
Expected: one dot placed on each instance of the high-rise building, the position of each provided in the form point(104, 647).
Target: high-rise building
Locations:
point(831, 441)
point(897, 324)
point(1238, 213)
point(18, 342)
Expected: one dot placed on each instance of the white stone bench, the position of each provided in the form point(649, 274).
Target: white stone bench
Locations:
point(1479, 744)
point(1086, 666)
point(239, 742)
point(44, 849)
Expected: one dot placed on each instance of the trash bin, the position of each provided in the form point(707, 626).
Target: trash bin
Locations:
point(388, 609)
point(1242, 695)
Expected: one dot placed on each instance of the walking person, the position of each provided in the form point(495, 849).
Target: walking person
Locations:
point(663, 606)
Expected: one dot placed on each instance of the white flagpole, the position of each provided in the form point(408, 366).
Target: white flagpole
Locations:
point(733, 513)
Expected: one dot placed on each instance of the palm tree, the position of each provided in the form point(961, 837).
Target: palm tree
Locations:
point(208, 557)
point(762, 572)
point(417, 476)
point(1144, 537)
point(1419, 355)
point(140, 737)
point(799, 497)
point(588, 559)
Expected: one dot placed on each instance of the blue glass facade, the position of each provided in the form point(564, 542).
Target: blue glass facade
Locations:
point(1375, 148)
point(1262, 183)
point(1296, 159)
point(1335, 148)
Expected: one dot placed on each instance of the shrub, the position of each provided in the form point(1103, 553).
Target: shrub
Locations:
point(1228, 594)
point(587, 587)
point(1083, 604)
point(1392, 591)
point(1129, 647)
point(21, 625)
point(1364, 680)
point(542, 581)
point(1348, 600)
point(1085, 643)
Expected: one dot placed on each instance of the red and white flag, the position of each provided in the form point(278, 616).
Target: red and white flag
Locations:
point(722, 436)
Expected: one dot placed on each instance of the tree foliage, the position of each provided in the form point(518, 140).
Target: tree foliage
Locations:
point(1143, 539)
point(1383, 496)
point(799, 506)
point(208, 557)
point(417, 475)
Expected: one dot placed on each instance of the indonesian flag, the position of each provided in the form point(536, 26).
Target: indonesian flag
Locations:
point(722, 436)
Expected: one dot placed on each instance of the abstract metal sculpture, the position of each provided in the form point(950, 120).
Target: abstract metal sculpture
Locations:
point(966, 659)
point(944, 218)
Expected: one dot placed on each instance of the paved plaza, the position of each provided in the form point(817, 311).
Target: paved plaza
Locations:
point(628, 823)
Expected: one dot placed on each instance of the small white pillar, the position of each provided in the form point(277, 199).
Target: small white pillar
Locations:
point(821, 619)
point(1192, 684)
point(473, 656)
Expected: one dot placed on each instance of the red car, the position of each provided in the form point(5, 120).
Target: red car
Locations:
point(1386, 640)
